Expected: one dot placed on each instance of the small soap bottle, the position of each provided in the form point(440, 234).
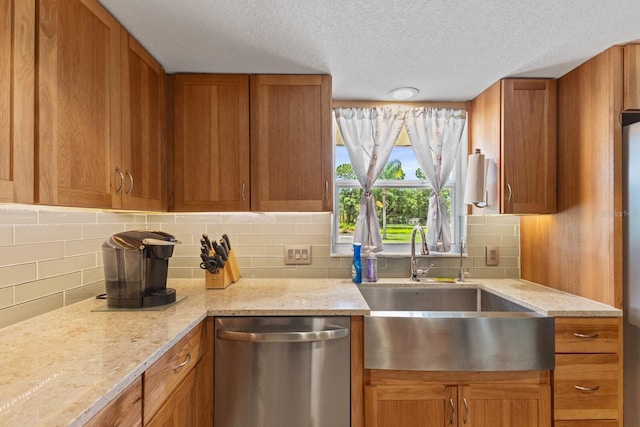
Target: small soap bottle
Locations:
point(372, 267)
point(356, 266)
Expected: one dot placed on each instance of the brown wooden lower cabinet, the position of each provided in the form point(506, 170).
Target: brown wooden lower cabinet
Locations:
point(587, 423)
point(461, 399)
point(587, 379)
point(124, 411)
point(178, 388)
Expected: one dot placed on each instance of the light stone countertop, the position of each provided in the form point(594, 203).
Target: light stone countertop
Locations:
point(62, 367)
point(541, 299)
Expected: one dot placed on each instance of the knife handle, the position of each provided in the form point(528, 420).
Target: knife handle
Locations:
point(207, 241)
point(226, 239)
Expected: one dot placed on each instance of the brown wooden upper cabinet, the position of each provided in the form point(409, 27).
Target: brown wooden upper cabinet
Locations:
point(142, 160)
point(631, 99)
point(17, 66)
point(514, 124)
point(211, 142)
point(101, 105)
point(291, 163)
point(289, 147)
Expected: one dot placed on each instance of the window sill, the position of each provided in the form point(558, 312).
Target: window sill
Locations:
point(348, 253)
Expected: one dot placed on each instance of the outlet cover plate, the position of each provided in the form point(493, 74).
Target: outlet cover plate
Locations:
point(493, 255)
point(297, 254)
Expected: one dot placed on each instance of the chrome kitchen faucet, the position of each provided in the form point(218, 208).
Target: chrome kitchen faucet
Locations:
point(425, 251)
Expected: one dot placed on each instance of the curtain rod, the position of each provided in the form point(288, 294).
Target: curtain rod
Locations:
point(456, 105)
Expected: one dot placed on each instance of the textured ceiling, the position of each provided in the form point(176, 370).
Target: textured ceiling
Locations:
point(448, 49)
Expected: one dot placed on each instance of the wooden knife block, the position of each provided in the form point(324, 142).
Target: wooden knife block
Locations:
point(225, 276)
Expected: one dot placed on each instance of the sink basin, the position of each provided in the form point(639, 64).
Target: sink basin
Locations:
point(453, 329)
point(436, 299)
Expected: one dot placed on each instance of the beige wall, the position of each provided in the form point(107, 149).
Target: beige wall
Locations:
point(51, 257)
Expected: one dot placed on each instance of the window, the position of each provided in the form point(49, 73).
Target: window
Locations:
point(402, 197)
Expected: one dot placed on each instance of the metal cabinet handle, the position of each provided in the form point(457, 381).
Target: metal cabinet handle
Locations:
point(326, 190)
point(130, 181)
point(121, 180)
point(187, 360)
point(587, 389)
point(243, 193)
point(586, 336)
point(510, 193)
point(453, 412)
point(466, 411)
point(312, 336)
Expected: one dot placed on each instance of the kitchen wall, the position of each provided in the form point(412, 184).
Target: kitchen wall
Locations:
point(50, 257)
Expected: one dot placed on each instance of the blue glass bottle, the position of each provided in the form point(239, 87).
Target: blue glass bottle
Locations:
point(356, 267)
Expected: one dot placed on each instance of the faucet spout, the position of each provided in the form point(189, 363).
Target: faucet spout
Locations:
point(424, 250)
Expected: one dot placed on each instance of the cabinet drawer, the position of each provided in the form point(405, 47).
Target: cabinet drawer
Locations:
point(166, 373)
point(587, 423)
point(587, 335)
point(585, 387)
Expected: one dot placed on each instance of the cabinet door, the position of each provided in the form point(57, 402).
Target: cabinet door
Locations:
point(125, 410)
point(528, 148)
point(79, 121)
point(631, 99)
point(291, 162)
point(504, 405)
point(177, 410)
point(410, 406)
point(143, 157)
point(211, 143)
point(17, 80)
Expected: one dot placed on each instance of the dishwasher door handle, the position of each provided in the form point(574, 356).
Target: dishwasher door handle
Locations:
point(307, 336)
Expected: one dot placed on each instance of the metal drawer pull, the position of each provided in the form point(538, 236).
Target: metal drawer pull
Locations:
point(329, 334)
point(453, 411)
point(587, 389)
point(510, 193)
point(466, 411)
point(187, 360)
point(121, 180)
point(586, 336)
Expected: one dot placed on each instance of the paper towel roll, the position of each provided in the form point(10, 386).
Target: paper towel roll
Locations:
point(474, 190)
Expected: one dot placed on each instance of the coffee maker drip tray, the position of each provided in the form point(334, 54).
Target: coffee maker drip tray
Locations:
point(152, 308)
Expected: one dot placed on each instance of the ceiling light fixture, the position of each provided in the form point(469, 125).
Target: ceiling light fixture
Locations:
point(403, 93)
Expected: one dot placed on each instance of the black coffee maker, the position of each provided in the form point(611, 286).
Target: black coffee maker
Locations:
point(135, 268)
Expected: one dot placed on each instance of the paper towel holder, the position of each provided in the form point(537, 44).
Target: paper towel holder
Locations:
point(475, 189)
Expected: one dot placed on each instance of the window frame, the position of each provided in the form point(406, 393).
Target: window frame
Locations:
point(458, 207)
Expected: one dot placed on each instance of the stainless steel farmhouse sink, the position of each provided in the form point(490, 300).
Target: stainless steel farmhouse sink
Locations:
point(453, 329)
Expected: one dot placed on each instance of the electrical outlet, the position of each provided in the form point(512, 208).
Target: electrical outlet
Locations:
point(297, 254)
point(493, 255)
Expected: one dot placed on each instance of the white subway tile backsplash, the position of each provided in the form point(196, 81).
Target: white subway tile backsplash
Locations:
point(66, 265)
point(93, 275)
point(15, 274)
point(19, 254)
point(6, 297)
point(17, 215)
point(6, 234)
point(100, 231)
point(46, 233)
point(56, 257)
point(66, 217)
point(40, 288)
point(117, 218)
point(80, 247)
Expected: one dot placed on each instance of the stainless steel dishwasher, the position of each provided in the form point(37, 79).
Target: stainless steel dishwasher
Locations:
point(282, 371)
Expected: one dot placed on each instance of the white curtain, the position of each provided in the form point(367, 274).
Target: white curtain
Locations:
point(369, 135)
point(435, 138)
